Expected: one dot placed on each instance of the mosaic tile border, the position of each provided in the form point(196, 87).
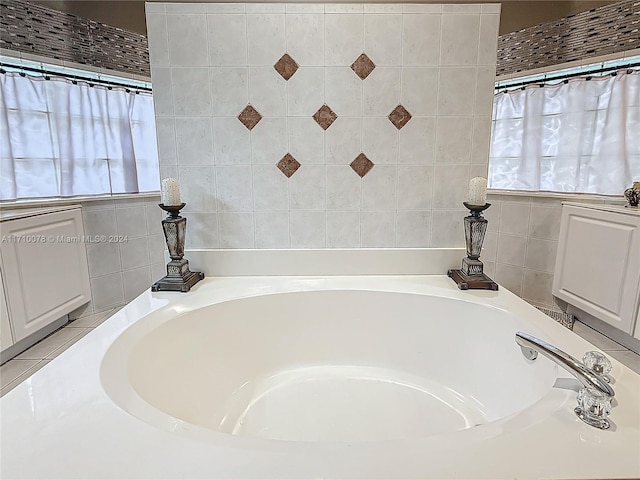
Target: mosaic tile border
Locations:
point(601, 31)
point(30, 28)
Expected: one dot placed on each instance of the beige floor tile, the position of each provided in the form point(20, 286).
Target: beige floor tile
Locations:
point(81, 333)
point(599, 340)
point(10, 386)
point(627, 358)
point(108, 314)
point(46, 347)
point(12, 369)
point(90, 320)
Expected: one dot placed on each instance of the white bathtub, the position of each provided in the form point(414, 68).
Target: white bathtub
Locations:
point(373, 376)
point(330, 366)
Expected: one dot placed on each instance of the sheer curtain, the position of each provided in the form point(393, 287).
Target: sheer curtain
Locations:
point(578, 137)
point(60, 138)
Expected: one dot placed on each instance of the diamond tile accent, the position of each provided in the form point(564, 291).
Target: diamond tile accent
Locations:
point(325, 116)
point(361, 165)
point(249, 117)
point(400, 116)
point(286, 66)
point(363, 66)
point(288, 165)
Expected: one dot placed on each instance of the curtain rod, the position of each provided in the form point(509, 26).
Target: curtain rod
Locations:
point(90, 80)
point(566, 76)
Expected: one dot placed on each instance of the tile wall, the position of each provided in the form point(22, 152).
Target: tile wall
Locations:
point(121, 270)
point(323, 126)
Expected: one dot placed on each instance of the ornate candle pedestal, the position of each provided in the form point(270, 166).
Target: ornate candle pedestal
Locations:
point(471, 275)
point(179, 278)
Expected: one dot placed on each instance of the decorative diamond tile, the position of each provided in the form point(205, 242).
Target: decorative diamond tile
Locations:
point(399, 116)
point(286, 66)
point(361, 165)
point(363, 66)
point(288, 165)
point(249, 117)
point(325, 116)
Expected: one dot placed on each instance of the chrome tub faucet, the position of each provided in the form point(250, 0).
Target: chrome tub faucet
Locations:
point(594, 398)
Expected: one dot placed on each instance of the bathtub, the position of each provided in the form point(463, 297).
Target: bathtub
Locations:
point(307, 376)
point(327, 366)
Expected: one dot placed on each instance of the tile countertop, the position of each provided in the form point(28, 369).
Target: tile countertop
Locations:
point(64, 410)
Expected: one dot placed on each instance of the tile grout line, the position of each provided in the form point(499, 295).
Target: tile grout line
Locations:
point(361, 179)
point(397, 133)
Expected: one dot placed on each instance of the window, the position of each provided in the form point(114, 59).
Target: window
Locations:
point(577, 136)
point(60, 137)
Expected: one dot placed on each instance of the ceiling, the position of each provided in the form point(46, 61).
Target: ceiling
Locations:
point(516, 14)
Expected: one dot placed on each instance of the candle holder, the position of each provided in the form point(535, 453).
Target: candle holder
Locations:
point(179, 278)
point(471, 275)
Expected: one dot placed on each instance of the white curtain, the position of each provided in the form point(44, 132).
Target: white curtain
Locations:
point(578, 137)
point(60, 139)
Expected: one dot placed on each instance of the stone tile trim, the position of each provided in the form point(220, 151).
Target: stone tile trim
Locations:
point(31, 28)
point(325, 116)
point(249, 117)
point(363, 66)
point(361, 165)
point(288, 165)
point(400, 116)
point(601, 31)
point(286, 66)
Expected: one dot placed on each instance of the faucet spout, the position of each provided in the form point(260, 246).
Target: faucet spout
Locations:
point(531, 346)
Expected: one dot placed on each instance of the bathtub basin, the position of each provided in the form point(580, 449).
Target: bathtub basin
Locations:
point(330, 366)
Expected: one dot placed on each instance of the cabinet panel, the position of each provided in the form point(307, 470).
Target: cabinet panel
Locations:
point(598, 264)
point(6, 336)
point(45, 267)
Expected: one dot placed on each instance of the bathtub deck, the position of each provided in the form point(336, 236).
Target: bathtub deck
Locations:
point(63, 408)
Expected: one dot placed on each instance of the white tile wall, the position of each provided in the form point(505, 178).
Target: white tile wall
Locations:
point(209, 61)
point(129, 258)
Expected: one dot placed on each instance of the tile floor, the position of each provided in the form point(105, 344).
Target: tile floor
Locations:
point(30, 361)
point(27, 363)
point(608, 346)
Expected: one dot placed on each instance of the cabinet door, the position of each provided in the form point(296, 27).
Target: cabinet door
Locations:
point(45, 269)
point(6, 336)
point(598, 264)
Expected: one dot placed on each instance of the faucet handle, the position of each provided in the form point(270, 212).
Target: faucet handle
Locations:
point(593, 407)
point(599, 363)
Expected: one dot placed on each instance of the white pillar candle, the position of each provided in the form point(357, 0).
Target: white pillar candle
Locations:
point(478, 191)
point(170, 192)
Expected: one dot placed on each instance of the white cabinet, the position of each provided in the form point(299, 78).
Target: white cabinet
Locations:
point(598, 263)
point(44, 267)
